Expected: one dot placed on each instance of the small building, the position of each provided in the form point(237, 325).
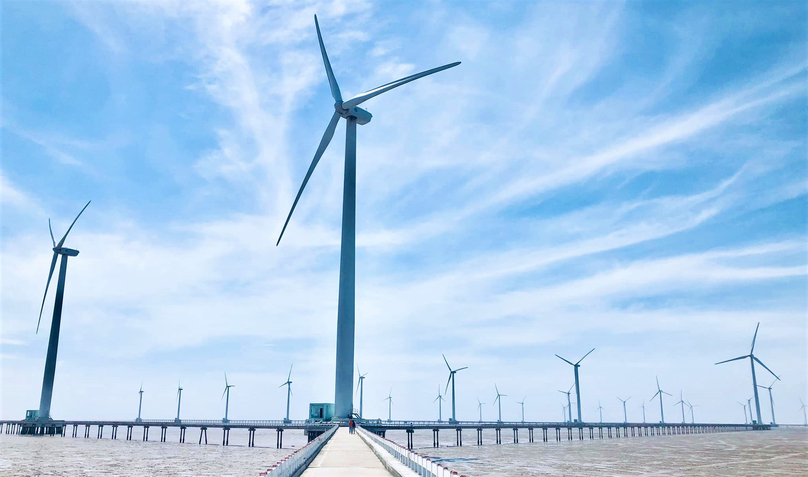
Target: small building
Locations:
point(321, 411)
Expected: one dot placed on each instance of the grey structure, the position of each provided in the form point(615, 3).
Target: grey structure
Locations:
point(288, 385)
point(139, 403)
point(682, 402)
point(179, 400)
point(568, 407)
point(360, 386)
point(771, 400)
point(659, 393)
point(343, 395)
point(389, 400)
point(625, 414)
point(451, 379)
point(498, 400)
point(53, 340)
point(439, 399)
point(522, 403)
point(226, 391)
point(577, 384)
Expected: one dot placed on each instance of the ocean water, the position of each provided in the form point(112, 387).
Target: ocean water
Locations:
point(782, 451)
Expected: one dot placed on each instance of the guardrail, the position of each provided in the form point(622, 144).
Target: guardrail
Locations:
point(295, 463)
point(416, 462)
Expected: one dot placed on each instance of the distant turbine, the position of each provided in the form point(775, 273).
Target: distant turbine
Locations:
point(439, 399)
point(659, 393)
point(752, 360)
point(577, 384)
point(498, 400)
point(771, 399)
point(625, 415)
point(643, 411)
point(682, 402)
point(56, 322)
point(343, 405)
point(522, 402)
point(600, 410)
point(140, 403)
point(804, 416)
point(288, 385)
point(226, 391)
point(389, 400)
point(745, 417)
point(452, 380)
point(691, 406)
point(569, 403)
point(564, 413)
point(480, 408)
point(751, 418)
point(179, 401)
point(361, 388)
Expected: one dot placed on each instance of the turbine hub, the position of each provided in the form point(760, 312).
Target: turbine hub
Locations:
point(361, 116)
point(66, 251)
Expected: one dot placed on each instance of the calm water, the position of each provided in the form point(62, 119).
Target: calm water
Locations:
point(779, 452)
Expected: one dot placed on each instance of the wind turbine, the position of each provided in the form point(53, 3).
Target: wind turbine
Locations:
point(745, 421)
point(804, 416)
point(659, 393)
point(288, 385)
point(600, 410)
point(361, 388)
point(564, 413)
point(691, 406)
point(498, 400)
point(346, 308)
point(682, 402)
point(751, 418)
point(56, 322)
point(752, 359)
point(569, 403)
point(643, 411)
point(771, 399)
point(480, 408)
point(439, 399)
point(522, 402)
point(452, 379)
point(140, 403)
point(577, 384)
point(179, 400)
point(389, 400)
point(625, 415)
point(227, 387)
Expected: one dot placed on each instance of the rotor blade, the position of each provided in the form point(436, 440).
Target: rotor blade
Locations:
point(225, 379)
point(59, 245)
point(461, 369)
point(655, 395)
point(570, 362)
point(767, 369)
point(754, 338)
point(733, 359)
point(495, 387)
point(332, 81)
point(290, 373)
point(223, 392)
point(447, 382)
point(447, 362)
point(562, 392)
point(657, 382)
point(51, 232)
point(361, 98)
point(669, 394)
point(587, 354)
point(50, 274)
point(573, 385)
point(327, 135)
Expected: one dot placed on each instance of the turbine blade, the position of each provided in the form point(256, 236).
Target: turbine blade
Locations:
point(669, 394)
point(61, 242)
point(655, 395)
point(223, 393)
point(290, 373)
point(767, 369)
point(587, 354)
point(447, 362)
point(461, 369)
point(51, 232)
point(50, 274)
point(495, 387)
point(568, 361)
point(332, 81)
point(447, 383)
point(361, 98)
point(733, 359)
point(329, 133)
point(754, 338)
point(225, 379)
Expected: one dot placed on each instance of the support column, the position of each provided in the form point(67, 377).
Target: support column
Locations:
point(499, 436)
point(409, 438)
point(515, 435)
point(279, 439)
point(459, 437)
point(479, 436)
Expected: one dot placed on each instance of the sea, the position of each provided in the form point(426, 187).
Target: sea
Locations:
point(782, 451)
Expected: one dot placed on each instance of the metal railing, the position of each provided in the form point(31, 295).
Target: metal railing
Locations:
point(383, 423)
point(295, 463)
point(419, 464)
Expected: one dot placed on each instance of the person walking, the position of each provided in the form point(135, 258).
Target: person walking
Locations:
point(351, 426)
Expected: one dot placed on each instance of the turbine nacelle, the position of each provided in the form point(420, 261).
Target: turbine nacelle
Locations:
point(66, 251)
point(361, 116)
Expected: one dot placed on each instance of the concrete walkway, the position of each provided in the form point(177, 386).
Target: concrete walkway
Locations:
point(348, 455)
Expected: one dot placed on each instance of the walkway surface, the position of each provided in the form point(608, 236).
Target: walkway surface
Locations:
point(346, 454)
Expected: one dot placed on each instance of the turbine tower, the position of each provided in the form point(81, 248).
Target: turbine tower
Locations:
point(752, 360)
point(361, 388)
point(288, 385)
point(625, 414)
point(480, 408)
point(600, 410)
point(353, 115)
point(452, 380)
point(659, 393)
point(771, 400)
point(389, 400)
point(751, 418)
point(745, 419)
point(691, 406)
point(522, 403)
point(804, 416)
point(568, 407)
point(643, 411)
point(498, 400)
point(179, 400)
point(682, 402)
point(227, 387)
point(439, 399)
point(577, 384)
point(56, 322)
point(564, 413)
point(140, 403)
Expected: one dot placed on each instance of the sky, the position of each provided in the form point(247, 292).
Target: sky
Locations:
point(629, 177)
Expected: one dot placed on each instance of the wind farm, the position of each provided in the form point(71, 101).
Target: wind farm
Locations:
point(534, 188)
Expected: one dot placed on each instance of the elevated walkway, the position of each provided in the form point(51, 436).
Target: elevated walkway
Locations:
point(346, 455)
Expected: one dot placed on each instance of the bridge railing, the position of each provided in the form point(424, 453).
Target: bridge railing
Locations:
point(380, 423)
point(417, 463)
point(294, 463)
point(214, 422)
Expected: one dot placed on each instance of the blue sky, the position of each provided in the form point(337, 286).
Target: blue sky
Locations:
point(625, 176)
